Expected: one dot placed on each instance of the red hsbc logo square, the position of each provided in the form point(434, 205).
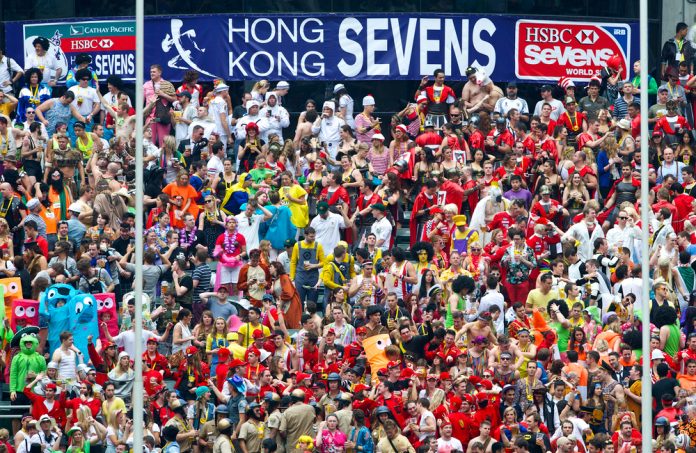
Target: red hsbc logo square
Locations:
point(549, 50)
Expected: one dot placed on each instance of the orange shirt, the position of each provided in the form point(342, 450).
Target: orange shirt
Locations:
point(687, 382)
point(184, 193)
point(49, 216)
point(578, 369)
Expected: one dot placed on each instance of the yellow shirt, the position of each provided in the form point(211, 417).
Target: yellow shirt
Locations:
point(246, 332)
point(299, 213)
point(110, 409)
point(536, 299)
point(6, 108)
point(238, 351)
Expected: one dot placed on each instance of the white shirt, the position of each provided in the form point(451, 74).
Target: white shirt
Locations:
point(182, 129)
point(493, 297)
point(328, 230)
point(284, 259)
point(580, 233)
point(6, 64)
point(347, 102)
point(215, 166)
point(47, 64)
point(126, 340)
point(382, 229)
point(272, 120)
point(425, 416)
point(217, 107)
point(449, 445)
point(556, 108)
point(249, 228)
point(85, 98)
point(329, 131)
point(623, 236)
point(206, 123)
point(240, 130)
point(504, 105)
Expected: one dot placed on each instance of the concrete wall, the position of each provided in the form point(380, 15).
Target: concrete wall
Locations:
point(675, 11)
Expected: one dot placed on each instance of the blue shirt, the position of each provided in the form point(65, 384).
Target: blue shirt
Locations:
point(76, 231)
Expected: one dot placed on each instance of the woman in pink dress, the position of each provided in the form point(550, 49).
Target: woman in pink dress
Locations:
point(329, 438)
point(230, 246)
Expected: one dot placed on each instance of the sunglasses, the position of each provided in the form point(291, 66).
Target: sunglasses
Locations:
point(623, 218)
point(208, 201)
point(30, 112)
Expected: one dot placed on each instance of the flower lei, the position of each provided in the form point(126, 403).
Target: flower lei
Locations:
point(187, 240)
point(162, 234)
point(229, 244)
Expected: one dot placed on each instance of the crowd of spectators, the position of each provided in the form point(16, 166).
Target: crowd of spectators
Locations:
point(464, 276)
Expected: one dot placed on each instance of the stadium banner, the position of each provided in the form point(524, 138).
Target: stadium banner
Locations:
point(110, 43)
point(340, 47)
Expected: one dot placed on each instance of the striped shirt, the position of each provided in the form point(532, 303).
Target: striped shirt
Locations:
point(202, 274)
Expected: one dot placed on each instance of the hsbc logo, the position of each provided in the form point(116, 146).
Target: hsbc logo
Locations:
point(588, 37)
point(549, 50)
point(91, 44)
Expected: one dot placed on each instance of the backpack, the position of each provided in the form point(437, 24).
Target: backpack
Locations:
point(16, 86)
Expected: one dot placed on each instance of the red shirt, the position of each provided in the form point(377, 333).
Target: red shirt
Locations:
point(429, 139)
point(670, 127)
point(367, 406)
point(473, 197)
point(152, 379)
point(502, 138)
point(75, 403)
point(477, 140)
point(539, 210)
point(253, 372)
point(352, 352)
point(572, 123)
point(42, 243)
point(683, 204)
point(38, 407)
point(501, 220)
point(157, 363)
point(464, 427)
point(310, 358)
point(396, 407)
point(455, 193)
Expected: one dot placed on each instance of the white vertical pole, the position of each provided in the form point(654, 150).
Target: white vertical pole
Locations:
point(646, 390)
point(138, 330)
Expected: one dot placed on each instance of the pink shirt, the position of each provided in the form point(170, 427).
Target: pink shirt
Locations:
point(332, 441)
point(362, 121)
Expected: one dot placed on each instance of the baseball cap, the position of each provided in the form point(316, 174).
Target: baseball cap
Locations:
point(322, 207)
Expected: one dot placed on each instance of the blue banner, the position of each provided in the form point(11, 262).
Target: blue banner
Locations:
point(373, 46)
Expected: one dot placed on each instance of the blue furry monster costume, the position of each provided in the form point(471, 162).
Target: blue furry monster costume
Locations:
point(26, 360)
point(56, 318)
point(83, 318)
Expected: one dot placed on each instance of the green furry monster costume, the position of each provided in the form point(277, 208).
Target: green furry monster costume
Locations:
point(23, 362)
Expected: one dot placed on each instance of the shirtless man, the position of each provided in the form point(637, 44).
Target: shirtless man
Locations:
point(505, 346)
point(479, 92)
point(96, 167)
point(484, 439)
point(304, 129)
point(480, 328)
